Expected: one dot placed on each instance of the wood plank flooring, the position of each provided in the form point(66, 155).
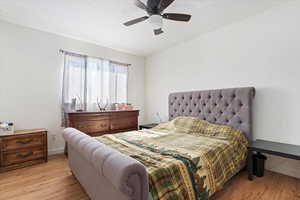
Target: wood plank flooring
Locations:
point(54, 181)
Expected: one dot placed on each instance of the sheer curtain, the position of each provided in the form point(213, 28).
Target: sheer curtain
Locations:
point(107, 81)
point(90, 80)
point(74, 80)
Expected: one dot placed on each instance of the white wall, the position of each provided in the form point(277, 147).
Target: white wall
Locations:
point(261, 51)
point(30, 78)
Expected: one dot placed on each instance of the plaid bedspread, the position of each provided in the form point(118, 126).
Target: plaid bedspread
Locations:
point(182, 166)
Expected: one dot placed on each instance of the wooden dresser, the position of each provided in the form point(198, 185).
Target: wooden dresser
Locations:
point(100, 123)
point(24, 148)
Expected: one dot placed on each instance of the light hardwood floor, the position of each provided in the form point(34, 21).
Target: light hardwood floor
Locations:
point(54, 180)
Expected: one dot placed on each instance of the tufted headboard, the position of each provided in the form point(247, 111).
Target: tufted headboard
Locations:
point(232, 107)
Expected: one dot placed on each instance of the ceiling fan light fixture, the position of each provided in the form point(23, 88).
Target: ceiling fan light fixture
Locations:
point(156, 21)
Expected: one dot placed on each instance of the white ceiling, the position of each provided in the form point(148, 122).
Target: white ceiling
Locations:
point(100, 21)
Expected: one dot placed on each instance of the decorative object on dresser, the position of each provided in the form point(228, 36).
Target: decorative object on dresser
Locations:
point(106, 122)
point(6, 128)
point(148, 126)
point(102, 105)
point(274, 148)
point(23, 148)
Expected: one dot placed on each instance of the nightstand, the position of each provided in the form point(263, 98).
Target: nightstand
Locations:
point(23, 148)
point(147, 126)
point(274, 148)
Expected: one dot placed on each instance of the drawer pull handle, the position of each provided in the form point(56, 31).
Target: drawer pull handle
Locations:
point(24, 141)
point(24, 155)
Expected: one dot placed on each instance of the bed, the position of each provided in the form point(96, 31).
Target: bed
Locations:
point(190, 157)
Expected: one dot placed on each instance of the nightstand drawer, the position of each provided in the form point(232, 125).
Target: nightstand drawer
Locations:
point(22, 141)
point(22, 156)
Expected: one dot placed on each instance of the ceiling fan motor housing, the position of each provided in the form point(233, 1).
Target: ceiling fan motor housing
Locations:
point(152, 6)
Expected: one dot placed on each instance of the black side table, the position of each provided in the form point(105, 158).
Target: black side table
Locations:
point(148, 126)
point(274, 148)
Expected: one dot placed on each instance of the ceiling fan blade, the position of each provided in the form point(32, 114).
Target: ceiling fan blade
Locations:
point(140, 4)
point(177, 17)
point(135, 21)
point(158, 31)
point(164, 4)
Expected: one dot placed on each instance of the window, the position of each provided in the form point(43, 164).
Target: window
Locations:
point(92, 80)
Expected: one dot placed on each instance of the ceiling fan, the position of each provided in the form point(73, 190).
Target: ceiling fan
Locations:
point(155, 9)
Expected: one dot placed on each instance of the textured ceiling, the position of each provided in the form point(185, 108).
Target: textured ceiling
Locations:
point(100, 21)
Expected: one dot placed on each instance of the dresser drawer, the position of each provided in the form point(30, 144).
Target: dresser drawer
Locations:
point(124, 114)
point(22, 156)
point(92, 126)
point(123, 123)
point(22, 141)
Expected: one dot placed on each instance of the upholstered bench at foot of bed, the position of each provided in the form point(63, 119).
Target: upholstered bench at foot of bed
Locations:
point(104, 172)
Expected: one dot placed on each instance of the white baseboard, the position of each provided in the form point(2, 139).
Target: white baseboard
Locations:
point(55, 151)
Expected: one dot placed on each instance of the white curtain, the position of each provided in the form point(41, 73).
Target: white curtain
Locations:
point(91, 80)
point(107, 81)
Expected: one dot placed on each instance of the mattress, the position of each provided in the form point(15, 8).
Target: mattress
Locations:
point(182, 165)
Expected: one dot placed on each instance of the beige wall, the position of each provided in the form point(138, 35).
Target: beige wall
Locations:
point(30, 78)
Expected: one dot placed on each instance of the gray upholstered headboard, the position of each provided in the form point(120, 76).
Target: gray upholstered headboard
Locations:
point(232, 107)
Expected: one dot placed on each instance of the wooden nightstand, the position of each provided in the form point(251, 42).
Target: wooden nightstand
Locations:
point(24, 148)
point(147, 126)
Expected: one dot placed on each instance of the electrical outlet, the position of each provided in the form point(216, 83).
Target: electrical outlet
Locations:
point(53, 137)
